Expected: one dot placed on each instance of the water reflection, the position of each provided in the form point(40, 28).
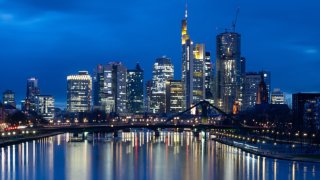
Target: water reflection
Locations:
point(139, 155)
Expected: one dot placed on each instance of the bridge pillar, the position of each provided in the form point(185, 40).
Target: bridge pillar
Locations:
point(156, 133)
point(196, 133)
point(115, 134)
point(204, 111)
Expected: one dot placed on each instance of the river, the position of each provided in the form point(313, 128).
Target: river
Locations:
point(139, 155)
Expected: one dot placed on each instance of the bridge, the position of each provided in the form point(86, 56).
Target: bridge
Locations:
point(204, 117)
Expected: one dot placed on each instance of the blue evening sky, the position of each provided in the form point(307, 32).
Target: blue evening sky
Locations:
point(51, 39)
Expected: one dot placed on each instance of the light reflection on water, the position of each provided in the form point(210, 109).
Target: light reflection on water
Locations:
point(140, 155)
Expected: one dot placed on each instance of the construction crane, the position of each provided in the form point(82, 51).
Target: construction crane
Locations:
point(234, 23)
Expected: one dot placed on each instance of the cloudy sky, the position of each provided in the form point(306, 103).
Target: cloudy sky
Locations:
point(52, 39)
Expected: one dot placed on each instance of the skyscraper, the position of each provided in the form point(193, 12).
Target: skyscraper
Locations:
point(45, 106)
point(98, 87)
point(228, 70)
point(148, 95)
point(32, 91)
point(135, 90)
point(79, 89)
point(198, 74)
point(193, 67)
point(209, 78)
point(162, 71)
point(251, 86)
point(115, 100)
point(9, 98)
point(187, 63)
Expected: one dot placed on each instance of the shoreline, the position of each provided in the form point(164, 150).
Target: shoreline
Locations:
point(26, 139)
point(273, 156)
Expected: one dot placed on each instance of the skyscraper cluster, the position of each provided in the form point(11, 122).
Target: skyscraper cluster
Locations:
point(227, 85)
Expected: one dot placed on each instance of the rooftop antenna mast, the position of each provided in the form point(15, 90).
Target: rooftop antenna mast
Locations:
point(186, 10)
point(234, 23)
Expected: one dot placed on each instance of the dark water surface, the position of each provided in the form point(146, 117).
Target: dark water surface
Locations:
point(140, 155)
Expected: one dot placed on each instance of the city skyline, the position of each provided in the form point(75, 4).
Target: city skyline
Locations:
point(41, 62)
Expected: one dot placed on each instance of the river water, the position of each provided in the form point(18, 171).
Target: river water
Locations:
point(139, 155)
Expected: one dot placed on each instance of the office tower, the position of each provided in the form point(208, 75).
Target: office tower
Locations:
point(174, 96)
point(45, 106)
point(193, 68)
point(9, 98)
point(209, 78)
point(32, 91)
point(187, 63)
point(148, 95)
point(98, 87)
point(135, 90)
point(228, 70)
point(262, 95)
point(115, 75)
point(311, 116)
point(198, 74)
point(278, 97)
point(162, 71)
point(298, 108)
point(251, 86)
point(79, 89)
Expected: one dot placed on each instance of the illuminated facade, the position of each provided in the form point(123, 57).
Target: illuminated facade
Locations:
point(198, 78)
point(32, 91)
point(174, 96)
point(115, 88)
point(209, 78)
point(251, 86)
point(193, 68)
point(9, 98)
point(277, 97)
point(79, 89)
point(162, 71)
point(45, 106)
point(311, 116)
point(135, 90)
point(98, 87)
point(148, 95)
point(228, 70)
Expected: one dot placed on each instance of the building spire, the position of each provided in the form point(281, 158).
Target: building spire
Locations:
point(186, 10)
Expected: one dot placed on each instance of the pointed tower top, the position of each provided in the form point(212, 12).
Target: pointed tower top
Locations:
point(186, 10)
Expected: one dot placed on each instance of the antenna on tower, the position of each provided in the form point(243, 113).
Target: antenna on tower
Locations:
point(234, 23)
point(186, 10)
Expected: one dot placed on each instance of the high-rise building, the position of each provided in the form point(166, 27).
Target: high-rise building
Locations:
point(9, 98)
point(298, 108)
point(193, 68)
point(209, 78)
point(198, 85)
point(267, 80)
point(148, 95)
point(187, 63)
point(135, 90)
point(278, 97)
point(115, 75)
point(311, 116)
point(79, 89)
point(251, 86)
point(98, 87)
point(45, 106)
point(174, 96)
point(32, 91)
point(228, 70)
point(162, 71)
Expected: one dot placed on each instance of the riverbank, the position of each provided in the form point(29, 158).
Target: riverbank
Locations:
point(288, 157)
point(18, 140)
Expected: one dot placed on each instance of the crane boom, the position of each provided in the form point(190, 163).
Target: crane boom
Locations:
point(234, 23)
